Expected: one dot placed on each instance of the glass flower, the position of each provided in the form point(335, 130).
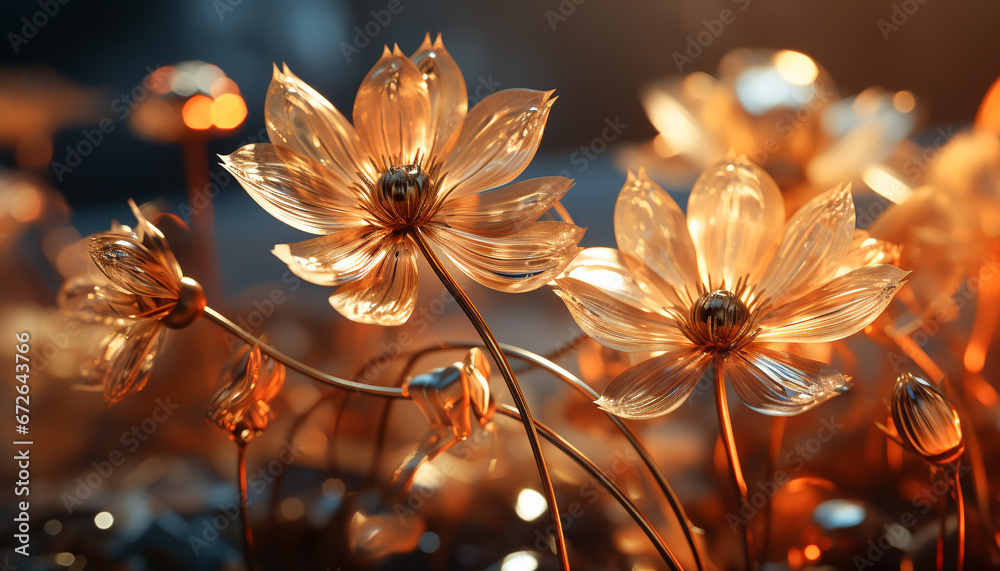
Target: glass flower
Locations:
point(923, 421)
point(139, 291)
point(781, 109)
point(251, 380)
point(721, 283)
point(413, 161)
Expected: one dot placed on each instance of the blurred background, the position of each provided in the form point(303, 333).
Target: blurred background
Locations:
point(77, 140)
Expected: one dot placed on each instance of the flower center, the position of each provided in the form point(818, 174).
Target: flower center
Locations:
point(402, 191)
point(718, 318)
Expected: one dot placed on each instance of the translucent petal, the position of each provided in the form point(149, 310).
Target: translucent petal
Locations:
point(522, 262)
point(250, 381)
point(816, 239)
point(926, 421)
point(301, 119)
point(155, 241)
point(132, 267)
point(387, 295)
point(506, 210)
point(865, 251)
point(612, 307)
point(499, 138)
point(335, 259)
point(126, 360)
point(294, 189)
point(392, 111)
point(782, 384)
point(84, 298)
point(735, 215)
point(674, 108)
point(446, 89)
point(840, 308)
point(655, 386)
point(653, 236)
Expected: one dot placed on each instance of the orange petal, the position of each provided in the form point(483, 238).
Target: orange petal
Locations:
point(298, 117)
point(655, 386)
point(447, 93)
point(126, 360)
point(499, 138)
point(387, 295)
point(782, 384)
point(507, 210)
point(335, 259)
point(735, 215)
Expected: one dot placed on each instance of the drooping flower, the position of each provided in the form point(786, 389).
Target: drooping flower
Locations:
point(923, 421)
point(721, 283)
point(413, 161)
point(250, 381)
point(139, 291)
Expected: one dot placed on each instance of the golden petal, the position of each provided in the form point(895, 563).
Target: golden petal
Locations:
point(298, 117)
point(337, 258)
point(295, 189)
point(447, 92)
point(782, 384)
point(504, 211)
point(735, 215)
point(652, 234)
point(655, 386)
point(842, 307)
point(522, 262)
point(499, 138)
point(132, 267)
point(392, 111)
point(127, 359)
point(388, 294)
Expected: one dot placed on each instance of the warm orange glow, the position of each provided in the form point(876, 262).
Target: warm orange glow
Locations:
point(794, 558)
point(228, 111)
point(989, 111)
point(975, 358)
point(796, 68)
point(159, 80)
point(812, 552)
point(197, 112)
point(904, 101)
point(223, 85)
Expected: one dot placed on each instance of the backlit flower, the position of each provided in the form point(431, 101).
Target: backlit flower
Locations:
point(413, 161)
point(139, 291)
point(242, 406)
point(721, 283)
point(923, 421)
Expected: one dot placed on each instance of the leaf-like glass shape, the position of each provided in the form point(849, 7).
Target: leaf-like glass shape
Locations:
point(655, 386)
point(782, 384)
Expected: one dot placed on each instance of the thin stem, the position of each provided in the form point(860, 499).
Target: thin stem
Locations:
point(241, 460)
point(606, 481)
point(585, 389)
point(942, 524)
point(527, 420)
point(777, 435)
point(960, 514)
point(729, 440)
point(362, 388)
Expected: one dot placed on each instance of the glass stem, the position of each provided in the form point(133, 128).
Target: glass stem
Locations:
point(503, 364)
point(960, 514)
point(606, 481)
point(337, 382)
point(729, 442)
point(241, 476)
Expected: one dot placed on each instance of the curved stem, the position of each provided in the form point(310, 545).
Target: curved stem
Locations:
point(777, 435)
point(726, 430)
point(527, 420)
point(942, 531)
point(606, 481)
point(960, 514)
point(585, 389)
point(362, 388)
point(241, 475)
